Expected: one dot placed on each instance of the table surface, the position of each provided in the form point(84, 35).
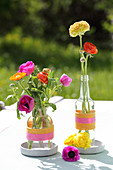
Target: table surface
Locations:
point(13, 133)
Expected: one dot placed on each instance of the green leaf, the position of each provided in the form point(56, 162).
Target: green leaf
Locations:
point(52, 74)
point(49, 83)
point(18, 113)
point(35, 80)
point(34, 89)
point(34, 77)
point(53, 106)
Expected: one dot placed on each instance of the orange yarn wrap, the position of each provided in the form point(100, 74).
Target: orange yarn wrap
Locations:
point(41, 131)
point(84, 121)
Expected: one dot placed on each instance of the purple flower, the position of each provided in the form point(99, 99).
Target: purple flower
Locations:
point(27, 67)
point(26, 103)
point(71, 154)
point(65, 80)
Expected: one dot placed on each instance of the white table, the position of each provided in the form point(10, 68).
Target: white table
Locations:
point(13, 133)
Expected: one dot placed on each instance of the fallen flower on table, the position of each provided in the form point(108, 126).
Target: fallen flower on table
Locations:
point(81, 140)
point(69, 140)
point(71, 154)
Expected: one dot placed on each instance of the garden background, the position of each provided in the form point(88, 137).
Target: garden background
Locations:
point(37, 30)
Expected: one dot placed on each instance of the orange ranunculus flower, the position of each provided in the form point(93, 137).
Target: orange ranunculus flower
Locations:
point(17, 76)
point(79, 28)
point(90, 48)
point(43, 77)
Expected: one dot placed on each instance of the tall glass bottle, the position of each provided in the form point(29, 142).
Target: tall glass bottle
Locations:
point(85, 111)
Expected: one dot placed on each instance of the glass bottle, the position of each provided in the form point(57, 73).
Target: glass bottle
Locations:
point(85, 111)
point(40, 128)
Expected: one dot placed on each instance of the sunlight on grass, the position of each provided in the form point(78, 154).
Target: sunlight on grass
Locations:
point(100, 84)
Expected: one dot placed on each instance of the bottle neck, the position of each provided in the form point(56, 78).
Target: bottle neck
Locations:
point(84, 89)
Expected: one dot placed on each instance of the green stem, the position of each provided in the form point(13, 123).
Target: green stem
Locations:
point(20, 83)
point(87, 84)
point(86, 65)
point(42, 106)
point(83, 72)
point(42, 92)
point(30, 144)
point(15, 94)
point(49, 143)
point(80, 41)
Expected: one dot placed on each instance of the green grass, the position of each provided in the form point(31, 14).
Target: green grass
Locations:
point(101, 84)
point(5, 82)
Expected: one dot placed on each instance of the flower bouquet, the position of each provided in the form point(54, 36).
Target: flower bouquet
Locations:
point(37, 87)
point(85, 111)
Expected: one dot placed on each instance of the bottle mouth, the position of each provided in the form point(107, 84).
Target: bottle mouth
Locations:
point(86, 77)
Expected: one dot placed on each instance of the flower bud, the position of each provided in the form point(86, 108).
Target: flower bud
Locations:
point(82, 59)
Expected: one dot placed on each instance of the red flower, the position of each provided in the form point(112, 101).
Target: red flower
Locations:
point(90, 48)
point(43, 77)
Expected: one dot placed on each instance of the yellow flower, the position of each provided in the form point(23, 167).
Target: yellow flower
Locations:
point(79, 28)
point(69, 140)
point(17, 76)
point(82, 140)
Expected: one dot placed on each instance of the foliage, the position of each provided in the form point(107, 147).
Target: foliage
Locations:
point(16, 48)
point(51, 19)
point(107, 6)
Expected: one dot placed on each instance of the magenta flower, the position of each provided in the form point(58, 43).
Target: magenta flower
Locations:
point(27, 68)
point(71, 154)
point(65, 80)
point(26, 103)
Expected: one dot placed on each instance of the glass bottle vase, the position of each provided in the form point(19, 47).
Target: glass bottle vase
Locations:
point(40, 128)
point(85, 110)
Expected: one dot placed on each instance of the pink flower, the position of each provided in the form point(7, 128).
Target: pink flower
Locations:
point(65, 80)
point(26, 103)
point(27, 68)
point(71, 154)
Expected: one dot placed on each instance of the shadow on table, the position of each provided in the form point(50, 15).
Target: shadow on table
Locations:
point(56, 162)
point(100, 157)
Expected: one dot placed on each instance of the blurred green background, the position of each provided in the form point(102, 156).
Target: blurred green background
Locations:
point(37, 30)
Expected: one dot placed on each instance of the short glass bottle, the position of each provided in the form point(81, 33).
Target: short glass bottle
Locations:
point(40, 128)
